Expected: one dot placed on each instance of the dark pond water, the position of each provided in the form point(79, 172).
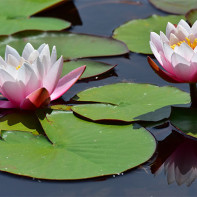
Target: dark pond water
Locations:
point(100, 18)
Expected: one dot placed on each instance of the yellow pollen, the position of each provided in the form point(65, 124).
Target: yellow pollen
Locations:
point(18, 67)
point(188, 41)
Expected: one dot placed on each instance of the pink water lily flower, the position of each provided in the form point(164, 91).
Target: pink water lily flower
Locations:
point(176, 51)
point(33, 79)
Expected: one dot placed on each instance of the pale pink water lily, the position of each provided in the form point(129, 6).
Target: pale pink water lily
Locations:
point(176, 51)
point(33, 79)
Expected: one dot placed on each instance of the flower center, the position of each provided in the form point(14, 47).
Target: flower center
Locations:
point(18, 67)
point(188, 41)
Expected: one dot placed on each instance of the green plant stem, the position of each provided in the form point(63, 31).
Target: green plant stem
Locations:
point(193, 94)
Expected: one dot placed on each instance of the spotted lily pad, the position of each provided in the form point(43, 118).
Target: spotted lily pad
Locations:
point(127, 101)
point(15, 16)
point(69, 45)
point(84, 150)
point(185, 120)
point(136, 33)
point(93, 68)
point(175, 6)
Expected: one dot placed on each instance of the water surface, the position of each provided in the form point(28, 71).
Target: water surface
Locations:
point(101, 18)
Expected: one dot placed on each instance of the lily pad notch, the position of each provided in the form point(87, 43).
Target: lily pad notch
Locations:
point(85, 151)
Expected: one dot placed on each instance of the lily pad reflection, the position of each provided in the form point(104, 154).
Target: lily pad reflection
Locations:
point(177, 156)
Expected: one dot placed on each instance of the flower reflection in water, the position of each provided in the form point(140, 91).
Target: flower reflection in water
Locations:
point(177, 156)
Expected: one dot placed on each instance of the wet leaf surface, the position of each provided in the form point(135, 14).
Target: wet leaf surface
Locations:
point(81, 151)
point(93, 68)
point(69, 45)
point(11, 26)
point(127, 101)
point(185, 120)
point(13, 9)
point(14, 19)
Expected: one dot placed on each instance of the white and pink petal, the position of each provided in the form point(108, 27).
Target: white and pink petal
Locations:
point(53, 55)
point(170, 28)
point(185, 26)
point(181, 33)
point(173, 39)
point(52, 77)
point(155, 39)
point(13, 91)
point(67, 82)
point(163, 38)
point(12, 51)
point(194, 29)
point(181, 68)
point(33, 56)
point(185, 51)
point(28, 49)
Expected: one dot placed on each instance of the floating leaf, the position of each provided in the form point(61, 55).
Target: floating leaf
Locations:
point(127, 101)
point(93, 68)
point(191, 16)
point(185, 120)
point(174, 6)
point(84, 150)
point(10, 26)
point(136, 33)
point(15, 16)
point(13, 8)
point(21, 121)
point(157, 115)
point(68, 44)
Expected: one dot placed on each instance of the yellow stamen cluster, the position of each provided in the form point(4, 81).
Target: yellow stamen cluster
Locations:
point(18, 67)
point(188, 41)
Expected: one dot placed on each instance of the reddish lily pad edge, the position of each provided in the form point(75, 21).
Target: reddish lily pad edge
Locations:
point(109, 68)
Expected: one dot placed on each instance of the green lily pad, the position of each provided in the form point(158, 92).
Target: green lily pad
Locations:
point(21, 121)
point(175, 6)
point(84, 150)
point(136, 33)
point(93, 68)
point(127, 101)
point(10, 26)
point(185, 120)
point(69, 45)
point(60, 107)
point(15, 16)
point(191, 16)
point(18, 8)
